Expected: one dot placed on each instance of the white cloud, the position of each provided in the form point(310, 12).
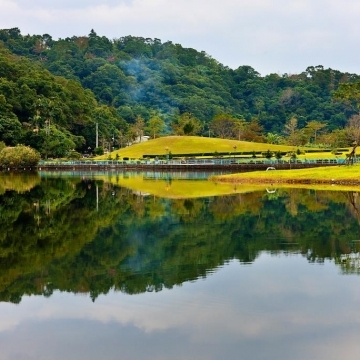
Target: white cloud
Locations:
point(270, 35)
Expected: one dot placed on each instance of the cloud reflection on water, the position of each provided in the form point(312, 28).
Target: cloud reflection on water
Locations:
point(279, 307)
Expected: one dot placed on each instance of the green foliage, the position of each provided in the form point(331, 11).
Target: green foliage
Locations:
point(138, 76)
point(278, 155)
point(268, 154)
point(73, 155)
point(186, 124)
point(133, 77)
point(155, 126)
point(10, 130)
point(99, 150)
point(18, 157)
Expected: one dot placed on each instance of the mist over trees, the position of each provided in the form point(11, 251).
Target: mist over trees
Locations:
point(53, 92)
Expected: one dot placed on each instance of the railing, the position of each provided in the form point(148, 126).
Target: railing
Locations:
point(186, 162)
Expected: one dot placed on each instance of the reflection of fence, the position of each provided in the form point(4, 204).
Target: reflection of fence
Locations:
point(186, 163)
point(350, 263)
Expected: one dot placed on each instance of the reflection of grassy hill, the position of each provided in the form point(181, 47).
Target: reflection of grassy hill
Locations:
point(193, 145)
point(174, 188)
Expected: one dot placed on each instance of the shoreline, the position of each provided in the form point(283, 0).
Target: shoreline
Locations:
point(339, 175)
point(268, 181)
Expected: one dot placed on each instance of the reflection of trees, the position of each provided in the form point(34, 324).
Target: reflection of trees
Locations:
point(134, 244)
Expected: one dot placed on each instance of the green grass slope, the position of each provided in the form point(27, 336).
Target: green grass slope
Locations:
point(192, 145)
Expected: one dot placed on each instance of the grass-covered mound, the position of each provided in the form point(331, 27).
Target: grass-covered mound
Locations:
point(180, 145)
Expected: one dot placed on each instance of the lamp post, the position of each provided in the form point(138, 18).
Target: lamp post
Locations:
point(234, 147)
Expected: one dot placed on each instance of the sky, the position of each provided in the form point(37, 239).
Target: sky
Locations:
point(272, 36)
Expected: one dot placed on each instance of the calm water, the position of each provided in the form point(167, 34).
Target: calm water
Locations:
point(122, 266)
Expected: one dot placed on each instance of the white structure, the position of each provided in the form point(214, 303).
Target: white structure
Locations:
point(140, 139)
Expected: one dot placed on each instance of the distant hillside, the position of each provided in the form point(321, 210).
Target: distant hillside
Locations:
point(140, 76)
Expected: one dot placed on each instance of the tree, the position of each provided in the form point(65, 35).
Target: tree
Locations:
point(349, 92)
point(313, 126)
point(239, 127)
point(138, 127)
point(273, 138)
point(155, 126)
point(186, 124)
point(294, 135)
point(19, 156)
point(337, 138)
point(253, 131)
point(10, 130)
point(278, 155)
point(223, 126)
point(268, 154)
point(352, 129)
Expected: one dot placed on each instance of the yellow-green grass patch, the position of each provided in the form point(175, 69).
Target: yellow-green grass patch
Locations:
point(193, 145)
point(174, 189)
point(332, 175)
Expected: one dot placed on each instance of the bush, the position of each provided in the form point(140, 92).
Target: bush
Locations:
point(278, 155)
point(19, 156)
point(268, 154)
point(99, 151)
point(74, 155)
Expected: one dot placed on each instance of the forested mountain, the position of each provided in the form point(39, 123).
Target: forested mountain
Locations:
point(134, 77)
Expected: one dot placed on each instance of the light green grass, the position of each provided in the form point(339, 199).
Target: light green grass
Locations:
point(192, 145)
point(333, 175)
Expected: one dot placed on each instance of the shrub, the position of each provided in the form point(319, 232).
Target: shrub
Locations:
point(99, 150)
point(74, 155)
point(268, 154)
point(19, 156)
point(278, 155)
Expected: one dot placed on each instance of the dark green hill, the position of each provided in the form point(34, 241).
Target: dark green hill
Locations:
point(135, 76)
point(48, 112)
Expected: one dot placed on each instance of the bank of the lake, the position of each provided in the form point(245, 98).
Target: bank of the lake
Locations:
point(339, 175)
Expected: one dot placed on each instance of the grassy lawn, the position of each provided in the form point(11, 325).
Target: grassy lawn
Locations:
point(332, 175)
point(192, 145)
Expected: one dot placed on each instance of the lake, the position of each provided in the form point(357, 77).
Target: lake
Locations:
point(174, 266)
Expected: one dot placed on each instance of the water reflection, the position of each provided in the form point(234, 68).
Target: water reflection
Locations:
point(90, 236)
point(215, 277)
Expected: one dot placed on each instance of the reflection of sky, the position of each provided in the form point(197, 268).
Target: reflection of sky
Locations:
point(277, 308)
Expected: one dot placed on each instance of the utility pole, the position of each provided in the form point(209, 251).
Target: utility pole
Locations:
point(97, 135)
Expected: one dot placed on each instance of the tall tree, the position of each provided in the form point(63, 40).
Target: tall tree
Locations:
point(294, 136)
point(186, 124)
point(155, 126)
point(223, 125)
point(313, 127)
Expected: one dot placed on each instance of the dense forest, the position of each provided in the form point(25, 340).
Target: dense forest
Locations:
point(87, 236)
point(53, 92)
